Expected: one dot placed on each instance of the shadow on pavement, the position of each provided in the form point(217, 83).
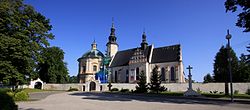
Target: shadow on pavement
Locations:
point(150, 98)
point(29, 109)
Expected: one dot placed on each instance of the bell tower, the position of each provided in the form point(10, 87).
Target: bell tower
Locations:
point(112, 46)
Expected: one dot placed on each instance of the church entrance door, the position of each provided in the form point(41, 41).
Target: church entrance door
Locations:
point(92, 86)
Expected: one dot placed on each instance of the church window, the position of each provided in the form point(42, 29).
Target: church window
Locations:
point(163, 74)
point(116, 76)
point(83, 69)
point(137, 73)
point(94, 68)
point(127, 76)
point(172, 76)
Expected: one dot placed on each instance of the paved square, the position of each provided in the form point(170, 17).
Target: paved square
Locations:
point(104, 101)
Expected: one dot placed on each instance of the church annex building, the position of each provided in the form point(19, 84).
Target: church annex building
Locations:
point(124, 66)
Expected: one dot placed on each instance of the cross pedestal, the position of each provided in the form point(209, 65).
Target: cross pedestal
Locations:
point(190, 91)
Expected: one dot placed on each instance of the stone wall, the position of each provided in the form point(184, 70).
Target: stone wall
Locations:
point(174, 87)
point(62, 86)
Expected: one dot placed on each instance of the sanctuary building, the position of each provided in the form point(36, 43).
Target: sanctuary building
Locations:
point(124, 66)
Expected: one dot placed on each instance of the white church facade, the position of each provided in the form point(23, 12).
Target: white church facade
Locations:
point(125, 65)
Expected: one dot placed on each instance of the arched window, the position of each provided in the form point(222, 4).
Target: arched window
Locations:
point(172, 75)
point(94, 68)
point(115, 76)
point(163, 74)
point(137, 73)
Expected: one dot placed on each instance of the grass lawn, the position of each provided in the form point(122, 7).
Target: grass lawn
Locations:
point(28, 90)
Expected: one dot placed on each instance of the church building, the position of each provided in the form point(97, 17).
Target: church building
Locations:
point(125, 65)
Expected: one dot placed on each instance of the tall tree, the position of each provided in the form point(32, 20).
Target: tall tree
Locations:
point(155, 81)
point(244, 15)
point(52, 69)
point(208, 78)
point(221, 66)
point(142, 86)
point(248, 55)
point(221, 73)
point(23, 33)
point(244, 69)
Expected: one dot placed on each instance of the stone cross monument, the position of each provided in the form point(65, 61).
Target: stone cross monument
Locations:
point(189, 78)
point(190, 91)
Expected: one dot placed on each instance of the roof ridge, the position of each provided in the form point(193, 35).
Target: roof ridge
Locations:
point(131, 49)
point(168, 46)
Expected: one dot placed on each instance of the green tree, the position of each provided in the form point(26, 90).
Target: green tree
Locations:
point(208, 78)
point(221, 73)
point(142, 86)
point(155, 81)
point(244, 15)
point(221, 66)
point(73, 79)
point(248, 55)
point(23, 33)
point(52, 69)
point(244, 69)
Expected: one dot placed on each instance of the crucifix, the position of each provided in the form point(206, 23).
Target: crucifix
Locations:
point(189, 77)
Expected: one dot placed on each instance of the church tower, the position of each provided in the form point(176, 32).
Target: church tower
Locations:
point(112, 46)
point(144, 43)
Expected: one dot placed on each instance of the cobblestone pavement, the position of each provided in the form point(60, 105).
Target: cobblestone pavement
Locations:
point(105, 101)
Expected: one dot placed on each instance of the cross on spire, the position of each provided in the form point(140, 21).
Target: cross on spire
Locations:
point(113, 26)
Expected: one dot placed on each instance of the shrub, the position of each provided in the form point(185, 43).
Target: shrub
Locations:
point(215, 92)
point(124, 90)
point(199, 90)
point(4, 90)
point(162, 89)
point(114, 89)
point(236, 91)
point(248, 91)
point(73, 89)
point(6, 102)
point(221, 92)
point(21, 96)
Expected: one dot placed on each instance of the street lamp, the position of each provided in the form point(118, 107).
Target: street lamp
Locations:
point(228, 37)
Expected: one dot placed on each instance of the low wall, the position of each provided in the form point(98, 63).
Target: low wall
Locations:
point(63, 86)
point(174, 87)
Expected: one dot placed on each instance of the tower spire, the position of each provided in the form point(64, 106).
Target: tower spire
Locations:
point(94, 45)
point(112, 37)
point(144, 43)
point(112, 46)
point(113, 26)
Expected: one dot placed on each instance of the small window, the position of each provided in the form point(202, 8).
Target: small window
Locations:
point(94, 68)
point(137, 73)
point(172, 75)
point(84, 69)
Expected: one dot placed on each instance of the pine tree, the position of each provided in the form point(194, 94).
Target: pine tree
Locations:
point(155, 81)
point(221, 66)
point(221, 73)
point(142, 86)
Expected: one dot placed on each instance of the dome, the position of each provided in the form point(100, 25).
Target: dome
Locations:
point(93, 54)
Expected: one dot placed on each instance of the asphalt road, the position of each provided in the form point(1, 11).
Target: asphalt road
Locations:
point(106, 101)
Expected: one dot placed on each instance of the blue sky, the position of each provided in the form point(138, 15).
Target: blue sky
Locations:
point(198, 25)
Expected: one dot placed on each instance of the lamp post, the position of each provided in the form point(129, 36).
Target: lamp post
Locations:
point(228, 37)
